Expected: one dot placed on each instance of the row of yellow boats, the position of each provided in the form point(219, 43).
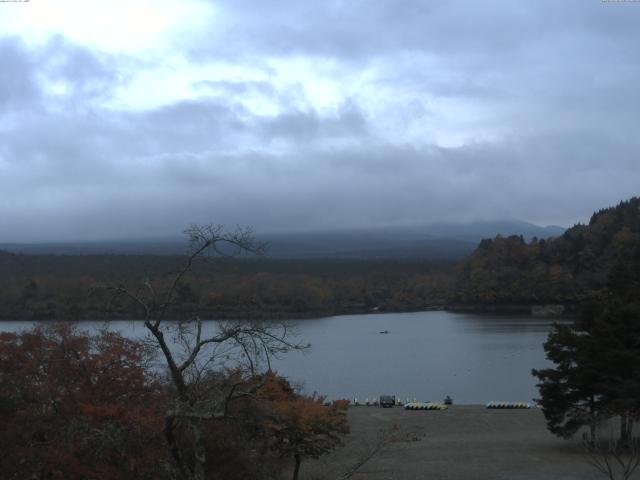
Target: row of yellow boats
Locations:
point(508, 405)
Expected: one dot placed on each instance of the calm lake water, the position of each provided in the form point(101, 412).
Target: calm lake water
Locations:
point(425, 355)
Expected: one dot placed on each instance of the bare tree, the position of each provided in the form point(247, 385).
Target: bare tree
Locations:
point(613, 458)
point(194, 351)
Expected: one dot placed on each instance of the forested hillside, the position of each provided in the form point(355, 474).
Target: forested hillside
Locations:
point(561, 270)
point(72, 286)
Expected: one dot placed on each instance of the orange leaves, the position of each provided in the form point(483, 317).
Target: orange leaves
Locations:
point(74, 406)
point(340, 405)
point(275, 389)
point(300, 424)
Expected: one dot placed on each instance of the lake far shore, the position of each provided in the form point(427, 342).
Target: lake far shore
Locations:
point(536, 311)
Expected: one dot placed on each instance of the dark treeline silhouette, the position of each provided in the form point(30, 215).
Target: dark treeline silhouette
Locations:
point(561, 270)
point(67, 286)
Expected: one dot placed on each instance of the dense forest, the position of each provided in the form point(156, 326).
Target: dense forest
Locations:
point(562, 270)
point(74, 286)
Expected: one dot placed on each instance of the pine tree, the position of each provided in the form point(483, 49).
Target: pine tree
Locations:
point(597, 372)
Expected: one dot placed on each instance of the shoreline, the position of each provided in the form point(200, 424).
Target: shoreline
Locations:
point(536, 311)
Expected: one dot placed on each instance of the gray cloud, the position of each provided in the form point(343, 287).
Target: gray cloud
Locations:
point(17, 83)
point(363, 28)
point(309, 126)
point(83, 73)
point(541, 99)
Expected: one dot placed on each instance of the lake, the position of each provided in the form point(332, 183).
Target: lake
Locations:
point(425, 355)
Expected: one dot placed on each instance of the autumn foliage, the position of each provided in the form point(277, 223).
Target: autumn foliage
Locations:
point(78, 406)
point(59, 287)
point(298, 426)
point(564, 270)
point(74, 406)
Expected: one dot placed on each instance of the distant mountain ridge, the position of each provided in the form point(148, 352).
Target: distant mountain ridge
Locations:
point(442, 240)
point(435, 241)
point(476, 231)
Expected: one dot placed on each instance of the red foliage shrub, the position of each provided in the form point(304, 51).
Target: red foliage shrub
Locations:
point(74, 406)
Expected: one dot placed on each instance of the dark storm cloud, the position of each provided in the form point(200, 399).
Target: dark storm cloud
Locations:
point(159, 193)
point(539, 102)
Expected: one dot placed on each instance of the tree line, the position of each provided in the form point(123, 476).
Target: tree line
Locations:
point(564, 270)
point(59, 287)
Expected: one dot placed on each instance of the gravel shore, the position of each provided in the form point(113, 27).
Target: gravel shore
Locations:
point(463, 442)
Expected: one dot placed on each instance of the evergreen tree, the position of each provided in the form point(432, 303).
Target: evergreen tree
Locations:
point(570, 397)
point(597, 369)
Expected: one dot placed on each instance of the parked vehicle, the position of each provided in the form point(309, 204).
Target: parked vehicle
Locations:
point(387, 401)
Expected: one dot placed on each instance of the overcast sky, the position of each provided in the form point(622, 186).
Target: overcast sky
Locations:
point(123, 121)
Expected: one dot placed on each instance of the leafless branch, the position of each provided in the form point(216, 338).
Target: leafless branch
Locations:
point(613, 459)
